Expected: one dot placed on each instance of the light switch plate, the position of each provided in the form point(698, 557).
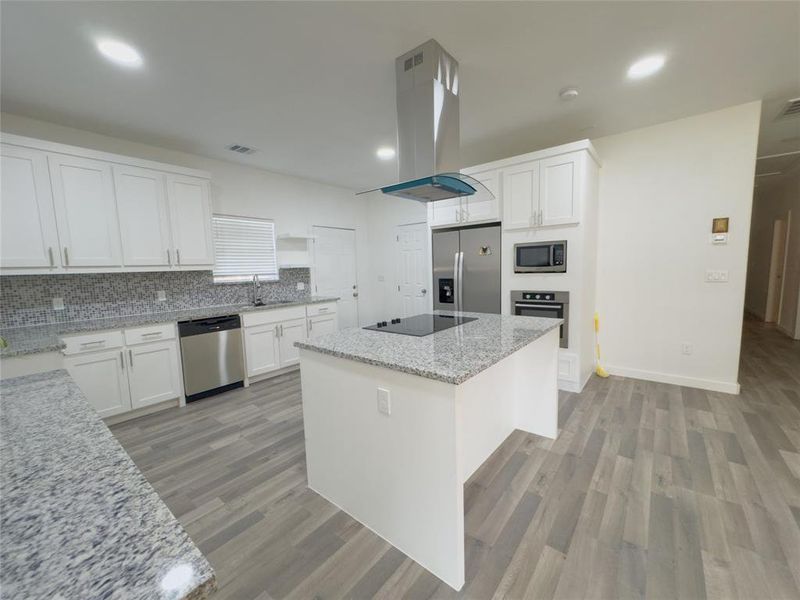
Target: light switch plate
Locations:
point(300, 286)
point(161, 295)
point(58, 304)
point(384, 402)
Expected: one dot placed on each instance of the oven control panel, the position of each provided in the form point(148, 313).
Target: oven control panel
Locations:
point(539, 296)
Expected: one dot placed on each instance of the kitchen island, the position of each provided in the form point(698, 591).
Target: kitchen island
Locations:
point(78, 518)
point(395, 424)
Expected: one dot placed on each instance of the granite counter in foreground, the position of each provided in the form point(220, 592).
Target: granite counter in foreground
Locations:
point(78, 518)
point(453, 355)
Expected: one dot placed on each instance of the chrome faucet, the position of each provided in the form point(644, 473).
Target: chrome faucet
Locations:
point(256, 285)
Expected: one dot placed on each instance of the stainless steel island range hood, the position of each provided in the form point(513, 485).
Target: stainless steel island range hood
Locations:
point(428, 135)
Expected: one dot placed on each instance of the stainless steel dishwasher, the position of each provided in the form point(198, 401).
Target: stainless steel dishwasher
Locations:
point(212, 355)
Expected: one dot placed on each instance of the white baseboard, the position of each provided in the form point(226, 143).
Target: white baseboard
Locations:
point(703, 384)
point(570, 385)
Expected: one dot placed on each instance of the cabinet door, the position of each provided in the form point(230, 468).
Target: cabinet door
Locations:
point(86, 213)
point(322, 325)
point(261, 348)
point(291, 332)
point(479, 207)
point(520, 195)
point(102, 379)
point(153, 373)
point(559, 185)
point(28, 235)
point(444, 212)
point(143, 218)
point(190, 220)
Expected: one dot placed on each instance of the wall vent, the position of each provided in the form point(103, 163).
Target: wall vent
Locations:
point(791, 109)
point(239, 149)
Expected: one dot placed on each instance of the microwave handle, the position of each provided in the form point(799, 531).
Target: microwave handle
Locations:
point(556, 306)
point(552, 255)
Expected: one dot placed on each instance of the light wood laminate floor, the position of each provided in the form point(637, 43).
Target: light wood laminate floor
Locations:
point(651, 490)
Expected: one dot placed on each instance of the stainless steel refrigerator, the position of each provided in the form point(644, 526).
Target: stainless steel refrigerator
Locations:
point(466, 269)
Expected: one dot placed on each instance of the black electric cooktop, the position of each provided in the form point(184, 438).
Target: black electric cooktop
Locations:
point(420, 325)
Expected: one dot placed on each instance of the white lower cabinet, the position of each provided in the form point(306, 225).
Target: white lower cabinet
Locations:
point(291, 332)
point(125, 378)
point(322, 324)
point(262, 349)
point(153, 373)
point(102, 379)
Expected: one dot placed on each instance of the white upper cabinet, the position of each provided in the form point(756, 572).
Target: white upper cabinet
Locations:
point(559, 189)
point(190, 217)
point(479, 207)
point(520, 195)
point(83, 191)
point(28, 235)
point(143, 216)
point(444, 212)
point(68, 209)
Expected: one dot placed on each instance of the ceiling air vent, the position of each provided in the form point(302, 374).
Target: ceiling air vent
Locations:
point(791, 109)
point(239, 149)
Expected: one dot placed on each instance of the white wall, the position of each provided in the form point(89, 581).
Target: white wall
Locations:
point(295, 204)
point(771, 202)
point(660, 187)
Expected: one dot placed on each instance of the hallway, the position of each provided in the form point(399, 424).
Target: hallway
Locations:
point(651, 490)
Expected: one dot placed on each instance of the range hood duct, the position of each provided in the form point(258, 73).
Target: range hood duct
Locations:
point(428, 137)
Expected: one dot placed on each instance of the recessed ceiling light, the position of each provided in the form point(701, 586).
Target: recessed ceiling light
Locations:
point(119, 52)
point(646, 66)
point(385, 153)
point(568, 93)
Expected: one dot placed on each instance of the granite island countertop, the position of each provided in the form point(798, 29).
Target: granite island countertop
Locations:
point(452, 356)
point(46, 338)
point(79, 520)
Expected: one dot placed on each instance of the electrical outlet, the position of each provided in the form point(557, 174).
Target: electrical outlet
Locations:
point(384, 402)
point(58, 304)
point(161, 295)
point(381, 278)
point(687, 348)
point(300, 286)
point(716, 276)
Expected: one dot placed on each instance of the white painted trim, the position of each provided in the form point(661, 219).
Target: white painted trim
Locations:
point(537, 155)
point(569, 385)
point(27, 142)
point(703, 384)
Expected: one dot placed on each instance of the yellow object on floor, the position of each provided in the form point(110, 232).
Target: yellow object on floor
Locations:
point(598, 368)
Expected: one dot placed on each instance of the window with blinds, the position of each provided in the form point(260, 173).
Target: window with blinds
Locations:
point(244, 247)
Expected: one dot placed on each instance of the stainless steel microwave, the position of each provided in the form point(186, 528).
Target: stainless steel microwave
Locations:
point(541, 257)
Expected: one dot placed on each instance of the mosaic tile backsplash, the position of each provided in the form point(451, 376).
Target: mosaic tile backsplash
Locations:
point(28, 299)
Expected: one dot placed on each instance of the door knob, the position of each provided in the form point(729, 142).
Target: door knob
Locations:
point(355, 294)
point(423, 291)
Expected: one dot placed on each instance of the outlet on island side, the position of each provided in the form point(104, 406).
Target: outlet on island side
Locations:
point(161, 296)
point(58, 304)
point(384, 402)
point(687, 348)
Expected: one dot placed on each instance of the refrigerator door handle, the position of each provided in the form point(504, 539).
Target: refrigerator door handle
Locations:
point(456, 282)
point(460, 281)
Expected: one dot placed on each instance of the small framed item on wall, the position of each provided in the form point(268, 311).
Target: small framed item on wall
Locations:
point(719, 230)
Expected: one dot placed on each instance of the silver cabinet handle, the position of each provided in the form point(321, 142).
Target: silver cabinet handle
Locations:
point(156, 334)
point(277, 334)
point(169, 258)
point(50, 255)
point(281, 330)
point(178, 254)
point(122, 360)
point(130, 356)
point(92, 344)
point(323, 309)
point(310, 324)
point(66, 256)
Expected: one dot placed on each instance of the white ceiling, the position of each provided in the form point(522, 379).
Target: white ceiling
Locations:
point(311, 85)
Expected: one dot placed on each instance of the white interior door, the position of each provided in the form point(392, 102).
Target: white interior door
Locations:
point(335, 270)
point(413, 278)
point(776, 268)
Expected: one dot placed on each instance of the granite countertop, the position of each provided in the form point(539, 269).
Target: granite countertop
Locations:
point(46, 338)
point(453, 355)
point(79, 520)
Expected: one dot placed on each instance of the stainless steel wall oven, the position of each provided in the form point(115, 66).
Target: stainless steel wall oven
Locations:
point(543, 304)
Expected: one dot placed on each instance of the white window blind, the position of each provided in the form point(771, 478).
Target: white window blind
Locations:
point(244, 247)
